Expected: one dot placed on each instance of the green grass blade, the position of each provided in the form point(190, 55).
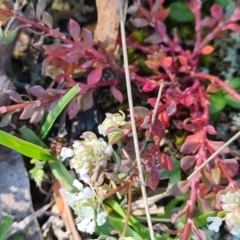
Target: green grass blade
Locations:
point(61, 173)
point(5, 226)
point(34, 151)
point(140, 229)
point(25, 148)
point(30, 136)
point(51, 118)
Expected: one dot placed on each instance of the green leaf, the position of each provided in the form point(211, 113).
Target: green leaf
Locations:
point(232, 102)
point(180, 12)
point(234, 83)
point(61, 173)
point(34, 151)
point(28, 149)
point(30, 136)
point(175, 174)
point(217, 102)
point(118, 224)
point(222, 3)
point(5, 226)
point(57, 110)
point(9, 37)
point(201, 220)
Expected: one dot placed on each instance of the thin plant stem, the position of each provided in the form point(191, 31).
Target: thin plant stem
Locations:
point(134, 130)
point(215, 154)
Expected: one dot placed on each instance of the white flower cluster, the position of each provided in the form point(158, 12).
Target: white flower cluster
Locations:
point(112, 121)
point(231, 207)
point(87, 206)
point(87, 154)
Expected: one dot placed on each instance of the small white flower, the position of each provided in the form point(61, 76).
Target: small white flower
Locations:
point(230, 201)
point(108, 150)
point(77, 185)
point(88, 193)
point(84, 177)
point(91, 227)
point(216, 223)
point(101, 218)
point(66, 153)
point(232, 220)
point(70, 198)
point(82, 226)
point(88, 212)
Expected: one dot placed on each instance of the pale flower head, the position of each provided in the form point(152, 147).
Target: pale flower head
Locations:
point(91, 227)
point(88, 212)
point(216, 223)
point(88, 193)
point(101, 218)
point(66, 153)
point(230, 200)
point(82, 226)
point(232, 220)
point(112, 120)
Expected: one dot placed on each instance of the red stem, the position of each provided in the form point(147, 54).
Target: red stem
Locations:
point(218, 81)
point(20, 106)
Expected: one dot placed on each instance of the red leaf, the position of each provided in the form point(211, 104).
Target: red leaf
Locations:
point(165, 161)
point(117, 94)
point(152, 101)
point(208, 22)
point(180, 188)
point(73, 107)
point(156, 6)
point(167, 62)
point(183, 60)
point(189, 100)
point(194, 5)
point(132, 9)
point(234, 27)
point(217, 12)
point(153, 39)
point(211, 130)
point(87, 100)
point(28, 111)
point(74, 29)
point(37, 115)
point(171, 109)
point(187, 162)
point(148, 87)
point(16, 97)
point(189, 147)
point(231, 166)
point(87, 37)
point(95, 75)
point(207, 50)
point(139, 22)
point(216, 175)
point(87, 64)
point(38, 91)
point(6, 119)
point(215, 145)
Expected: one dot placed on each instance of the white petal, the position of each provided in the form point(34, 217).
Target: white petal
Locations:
point(82, 226)
point(77, 185)
point(101, 218)
point(88, 193)
point(66, 152)
point(91, 227)
point(216, 223)
point(88, 212)
point(85, 177)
